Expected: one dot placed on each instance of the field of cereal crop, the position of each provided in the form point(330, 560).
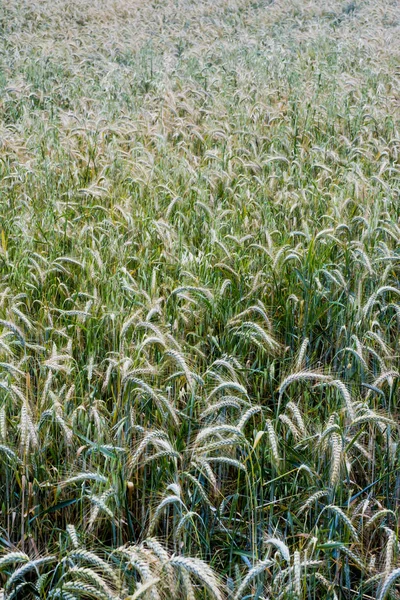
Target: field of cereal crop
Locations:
point(199, 299)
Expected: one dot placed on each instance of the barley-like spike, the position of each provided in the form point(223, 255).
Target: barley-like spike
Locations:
point(272, 440)
point(247, 415)
point(16, 330)
point(301, 376)
point(390, 546)
point(73, 535)
point(344, 518)
point(143, 589)
point(173, 499)
point(201, 571)
point(13, 557)
point(378, 515)
point(215, 408)
point(388, 583)
point(92, 559)
point(228, 384)
point(254, 572)
point(215, 431)
point(300, 362)
point(297, 573)
point(337, 448)
point(80, 477)
point(28, 566)
point(346, 396)
point(295, 432)
point(356, 559)
point(297, 416)
point(282, 547)
point(89, 575)
point(373, 298)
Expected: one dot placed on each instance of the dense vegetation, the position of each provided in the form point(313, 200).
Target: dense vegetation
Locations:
point(199, 299)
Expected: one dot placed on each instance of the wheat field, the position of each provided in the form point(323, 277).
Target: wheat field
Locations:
point(199, 299)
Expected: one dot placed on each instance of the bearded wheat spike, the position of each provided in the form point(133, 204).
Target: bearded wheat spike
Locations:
point(388, 583)
point(179, 359)
point(390, 545)
point(203, 465)
point(162, 454)
point(247, 415)
point(59, 593)
point(152, 437)
point(372, 417)
point(228, 384)
point(294, 409)
point(18, 590)
point(346, 396)
point(172, 499)
point(13, 557)
point(215, 408)
point(28, 566)
point(33, 438)
point(138, 560)
point(225, 285)
point(313, 498)
point(12, 457)
point(187, 584)
point(182, 523)
point(302, 353)
point(128, 323)
point(260, 310)
point(153, 339)
point(3, 423)
point(160, 400)
point(217, 430)
point(301, 376)
point(143, 589)
point(159, 551)
point(295, 432)
point(201, 571)
point(67, 430)
point(272, 440)
point(357, 354)
point(373, 298)
point(223, 362)
point(16, 330)
point(84, 589)
point(337, 448)
point(254, 572)
point(381, 343)
point(91, 558)
point(247, 328)
point(93, 578)
point(230, 462)
point(73, 535)
point(199, 488)
point(212, 446)
point(88, 476)
point(107, 376)
point(344, 518)
point(356, 559)
point(326, 583)
point(378, 515)
point(283, 549)
point(387, 375)
point(297, 573)
point(98, 504)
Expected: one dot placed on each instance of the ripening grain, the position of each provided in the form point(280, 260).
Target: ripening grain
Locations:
point(199, 299)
